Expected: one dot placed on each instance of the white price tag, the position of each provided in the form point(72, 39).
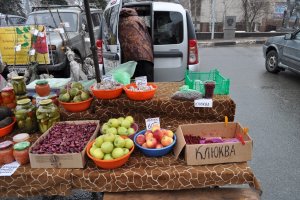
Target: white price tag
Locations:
point(39, 99)
point(107, 77)
point(41, 34)
point(9, 169)
point(203, 103)
point(32, 52)
point(141, 81)
point(35, 32)
point(18, 47)
point(152, 122)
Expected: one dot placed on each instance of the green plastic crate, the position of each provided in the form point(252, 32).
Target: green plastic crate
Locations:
point(222, 84)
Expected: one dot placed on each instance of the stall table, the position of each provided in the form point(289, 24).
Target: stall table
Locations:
point(140, 173)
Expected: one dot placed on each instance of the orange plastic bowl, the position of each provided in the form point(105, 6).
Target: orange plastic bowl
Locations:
point(108, 164)
point(7, 129)
point(78, 106)
point(107, 94)
point(140, 96)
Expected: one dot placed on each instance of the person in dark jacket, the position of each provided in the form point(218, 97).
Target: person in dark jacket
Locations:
point(136, 43)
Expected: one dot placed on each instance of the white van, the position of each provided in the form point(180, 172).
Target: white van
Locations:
point(173, 35)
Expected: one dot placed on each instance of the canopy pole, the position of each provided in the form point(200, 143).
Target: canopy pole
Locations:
point(92, 39)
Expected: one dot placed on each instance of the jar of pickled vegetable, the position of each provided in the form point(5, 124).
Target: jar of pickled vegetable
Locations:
point(21, 152)
point(19, 85)
point(47, 114)
point(8, 97)
point(42, 88)
point(26, 116)
point(6, 152)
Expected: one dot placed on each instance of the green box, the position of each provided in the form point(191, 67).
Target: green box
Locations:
point(222, 84)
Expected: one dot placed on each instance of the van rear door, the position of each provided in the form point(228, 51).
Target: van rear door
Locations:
point(111, 45)
point(170, 42)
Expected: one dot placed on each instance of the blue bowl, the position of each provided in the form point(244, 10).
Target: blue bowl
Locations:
point(154, 152)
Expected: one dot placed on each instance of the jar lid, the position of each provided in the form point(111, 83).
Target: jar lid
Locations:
point(21, 137)
point(5, 144)
point(45, 102)
point(7, 89)
point(21, 146)
point(23, 101)
point(41, 82)
point(17, 77)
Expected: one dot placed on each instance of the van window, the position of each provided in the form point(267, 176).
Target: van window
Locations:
point(168, 28)
point(110, 25)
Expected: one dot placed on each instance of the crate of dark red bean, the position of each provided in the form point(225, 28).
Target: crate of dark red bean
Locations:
point(63, 145)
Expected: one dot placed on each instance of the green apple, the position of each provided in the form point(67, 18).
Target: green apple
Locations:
point(122, 130)
point(92, 149)
point(119, 142)
point(121, 119)
point(126, 151)
point(126, 123)
point(99, 141)
point(117, 153)
point(112, 130)
point(107, 147)
point(128, 143)
point(129, 118)
point(107, 157)
point(113, 122)
point(98, 154)
point(109, 137)
point(104, 128)
point(130, 131)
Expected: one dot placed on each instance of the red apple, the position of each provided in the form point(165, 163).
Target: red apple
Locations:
point(166, 141)
point(169, 133)
point(148, 135)
point(158, 134)
point(155, 127)
point(158, 146)
point(140, 139)
point(151, 143)
point(145, 145)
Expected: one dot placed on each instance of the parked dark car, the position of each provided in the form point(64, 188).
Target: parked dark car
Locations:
point(283, 52)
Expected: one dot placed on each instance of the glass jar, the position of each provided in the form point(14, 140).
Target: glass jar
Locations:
point(21, 137)
point(6, 152)
point(19, 85)
point(47, 114)
point(209, 89)
point(8, 97)
point(0, 99)
point(26, 116)
point(42, 88)
point(21, 152)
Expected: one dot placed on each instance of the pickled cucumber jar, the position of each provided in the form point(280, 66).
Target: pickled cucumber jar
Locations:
point(19, 85)
point(47, 114)
point(25, 114)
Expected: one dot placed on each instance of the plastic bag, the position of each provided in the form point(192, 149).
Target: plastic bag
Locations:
point(2, 82)
point(185, 93)
point(124, 72)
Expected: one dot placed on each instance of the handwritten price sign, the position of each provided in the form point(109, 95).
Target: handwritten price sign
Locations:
point(141, 81)
point(203, 103)
point(152, 122)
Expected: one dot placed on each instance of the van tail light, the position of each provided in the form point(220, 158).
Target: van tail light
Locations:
point(193, 52)
point(99, 51)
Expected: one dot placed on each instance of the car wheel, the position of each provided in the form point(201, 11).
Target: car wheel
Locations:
point(272, 62)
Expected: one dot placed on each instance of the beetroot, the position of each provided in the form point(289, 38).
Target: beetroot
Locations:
point(65, 138)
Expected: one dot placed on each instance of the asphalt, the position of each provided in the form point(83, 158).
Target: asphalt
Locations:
point(235, 41)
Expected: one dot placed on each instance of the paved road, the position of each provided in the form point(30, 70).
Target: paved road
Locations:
point(270, 106)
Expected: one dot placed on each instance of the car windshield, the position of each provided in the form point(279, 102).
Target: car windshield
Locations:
point(68, 19)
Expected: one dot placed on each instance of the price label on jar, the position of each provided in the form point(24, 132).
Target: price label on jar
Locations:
point(141, 81)
point(150, 122)
point(203, 103)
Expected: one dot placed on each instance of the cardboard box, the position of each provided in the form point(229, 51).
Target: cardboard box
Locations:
point(70, 160)
point(202, 154)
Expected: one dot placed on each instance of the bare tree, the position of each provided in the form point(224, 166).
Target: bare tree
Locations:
point(254, 10)
point(226, 4)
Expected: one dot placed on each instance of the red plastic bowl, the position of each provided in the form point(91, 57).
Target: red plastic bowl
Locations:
point(108, 164)
point(7, 129)
point(107, 94)
point(78, 106)
point(140, 96)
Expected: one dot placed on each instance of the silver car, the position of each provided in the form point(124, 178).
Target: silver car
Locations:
point(283, 52)
point(75, 36)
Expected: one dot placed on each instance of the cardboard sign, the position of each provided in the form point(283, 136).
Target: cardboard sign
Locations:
point(150, 122)
point(9, 169)
point(203, 103)
point(107, 77)
point(141, 81)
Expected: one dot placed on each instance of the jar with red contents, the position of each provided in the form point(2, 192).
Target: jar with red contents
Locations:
point(42, 88)
point(6, 152)
point(21, 152)
point(8, 97)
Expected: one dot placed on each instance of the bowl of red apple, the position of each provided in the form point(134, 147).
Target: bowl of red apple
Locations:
point(156, 142)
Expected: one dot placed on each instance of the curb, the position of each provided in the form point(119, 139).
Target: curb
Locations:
point(230, 43)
